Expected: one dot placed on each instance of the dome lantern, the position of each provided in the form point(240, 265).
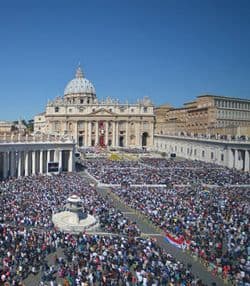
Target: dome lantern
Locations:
point(79, 73)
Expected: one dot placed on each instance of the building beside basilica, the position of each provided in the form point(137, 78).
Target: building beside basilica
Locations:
point(91, 122)
point(208, 114)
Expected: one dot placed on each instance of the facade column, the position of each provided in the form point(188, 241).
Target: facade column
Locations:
point(33, 162)
point(152, 134)
point(96, 132)
point(246, 167)
point(117, 134)
point(70, 161)
point(89, 133)
point(76, 132)
point(113, 133)
point(26, 163)
point(106, 133)
point(19, 172)
point(127, 135)
point(5, 165)
point(41, 162)
point(86, 134)
point(12, 163)
point(138, 134)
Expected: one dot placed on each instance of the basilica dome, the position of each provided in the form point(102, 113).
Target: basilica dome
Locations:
point(79, 85)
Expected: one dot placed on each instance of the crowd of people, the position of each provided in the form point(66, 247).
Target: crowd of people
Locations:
point(28, 237)
point(213, 222)
point(161, 171)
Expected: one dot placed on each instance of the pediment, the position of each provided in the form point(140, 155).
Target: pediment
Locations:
point(102, 111)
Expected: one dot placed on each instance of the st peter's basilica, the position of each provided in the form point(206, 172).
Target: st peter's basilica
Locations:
point(92, 122)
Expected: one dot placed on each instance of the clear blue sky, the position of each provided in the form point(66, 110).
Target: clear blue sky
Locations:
point(171, 51)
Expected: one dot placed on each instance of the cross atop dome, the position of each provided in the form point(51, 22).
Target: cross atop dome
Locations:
point(79, 72)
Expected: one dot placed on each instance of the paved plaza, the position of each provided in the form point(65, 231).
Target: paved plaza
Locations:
point(138, 204)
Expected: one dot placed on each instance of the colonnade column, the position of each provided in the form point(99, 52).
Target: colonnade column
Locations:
point(41, 162)
point(106, 133)
point(236, 159)
point(12, 163)
point(246, 167)
point(113, 133)
point(230, 158)
point(96, 133)
point(26, 163)
point(5, 165)
point(60, 161)
point(48, 156)
point(33, 162)
point(86, 134)
point(19, 172)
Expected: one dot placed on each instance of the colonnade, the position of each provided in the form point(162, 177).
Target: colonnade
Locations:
point(18, 160)
point(229, 154)
point(239, 159)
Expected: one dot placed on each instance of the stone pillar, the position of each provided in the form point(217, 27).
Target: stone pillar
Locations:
point(33, 162)
point(12, 163)
point(26, 163)
point(56, 155)
point(86, 134)
point(106, 133)
point(236, 159)
point(70, 161)
point(230, 158)
point(96, 132)
point(41, 162)
point(48, 156)
point(127, 135)
point(137, 134)
point(19, 172)
point(152, 134)
point(75, 135)
point(5, 165)
point(246, 167)
point(140, 133)
point(117, 134)
point(113, 133)
point(60, 161)
point(89, 133)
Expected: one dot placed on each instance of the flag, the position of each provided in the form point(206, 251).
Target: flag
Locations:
point(176, 241)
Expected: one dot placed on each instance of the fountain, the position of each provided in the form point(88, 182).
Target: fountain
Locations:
point(73, 219)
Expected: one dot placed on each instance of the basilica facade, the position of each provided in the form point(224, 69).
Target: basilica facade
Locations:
point(91, 122)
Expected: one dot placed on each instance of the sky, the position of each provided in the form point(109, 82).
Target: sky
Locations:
point(169, 50)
